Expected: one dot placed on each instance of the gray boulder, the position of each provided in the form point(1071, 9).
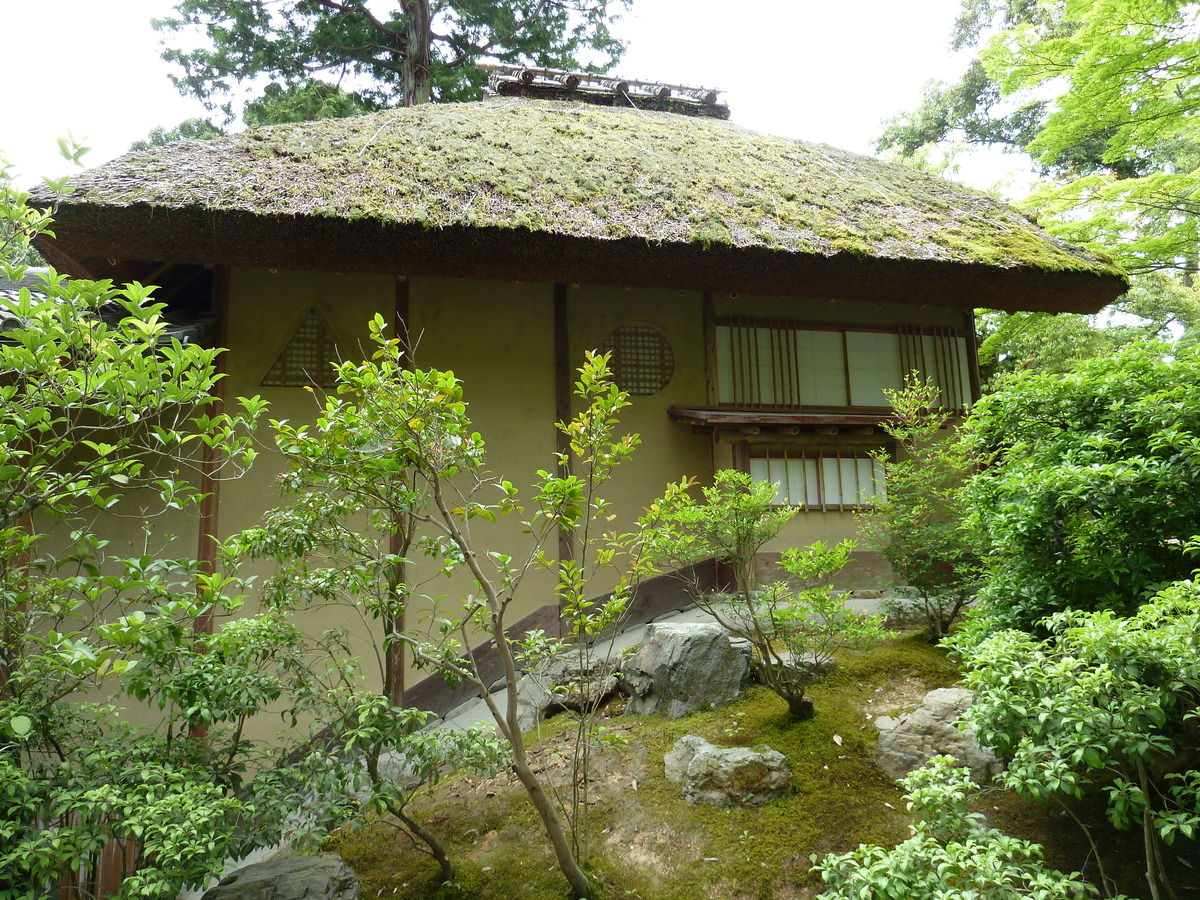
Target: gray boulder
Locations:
point(933, 728)
point(678, 758)
point(564, 682)
point(683, 668)
point(726, 776)
point(324, 877)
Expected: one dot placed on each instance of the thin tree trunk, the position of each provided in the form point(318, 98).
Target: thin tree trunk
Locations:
point(581, 887)
point(509, 722)
point(436, 850)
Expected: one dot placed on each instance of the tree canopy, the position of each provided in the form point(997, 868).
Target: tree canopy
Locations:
point(417, 51)
point(1101, 93)
point(1088, 490)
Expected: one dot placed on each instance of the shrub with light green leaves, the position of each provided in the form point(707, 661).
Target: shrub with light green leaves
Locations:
point(1105, 701)
point(952, 855)
point(789, 623)
point(1090, 484)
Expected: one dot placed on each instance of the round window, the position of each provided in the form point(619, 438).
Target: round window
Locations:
point(642, 362)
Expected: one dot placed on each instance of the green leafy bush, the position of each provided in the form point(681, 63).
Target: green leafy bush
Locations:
point(1090, 484)
point(952, 853)
point(1104, 701)
point(918, 525)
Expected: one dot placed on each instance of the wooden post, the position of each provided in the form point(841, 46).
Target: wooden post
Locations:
point(210, 485)
point(562, 404)
point(710, 350)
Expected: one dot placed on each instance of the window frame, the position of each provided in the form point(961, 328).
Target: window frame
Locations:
point(820, 455)
point(758, 366)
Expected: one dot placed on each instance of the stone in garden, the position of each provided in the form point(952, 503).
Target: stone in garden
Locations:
point(727, 776)
point(932, 729)
point(324, 877)
point(678, 758)
point(556, 684)
point(683, 668)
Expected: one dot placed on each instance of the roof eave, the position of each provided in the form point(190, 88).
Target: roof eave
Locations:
point(234, 238)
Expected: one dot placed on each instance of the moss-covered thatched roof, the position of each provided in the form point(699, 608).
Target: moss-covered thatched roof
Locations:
point(566, 192)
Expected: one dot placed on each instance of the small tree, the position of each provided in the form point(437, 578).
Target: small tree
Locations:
point(393, 452)
point(951, 854)
point(400, 758)
point(917, 526)
point(791, 625)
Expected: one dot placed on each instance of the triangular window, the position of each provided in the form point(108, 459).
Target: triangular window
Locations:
point(308, 358)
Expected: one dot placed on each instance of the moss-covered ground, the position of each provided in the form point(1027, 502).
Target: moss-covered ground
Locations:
point(646, 841)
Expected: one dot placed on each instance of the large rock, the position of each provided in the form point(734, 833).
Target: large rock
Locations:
point(726, 776)
point(912, 740)
point(565, 682)
point(683, 668)
point(324, 877)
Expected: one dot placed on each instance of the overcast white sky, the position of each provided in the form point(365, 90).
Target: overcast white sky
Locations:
point(820, 70)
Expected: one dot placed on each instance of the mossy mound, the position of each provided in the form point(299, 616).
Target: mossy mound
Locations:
point(645, 839)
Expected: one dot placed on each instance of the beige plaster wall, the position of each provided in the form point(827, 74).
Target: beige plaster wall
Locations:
point(264, 310)
point(669, 450)
point(498, 339)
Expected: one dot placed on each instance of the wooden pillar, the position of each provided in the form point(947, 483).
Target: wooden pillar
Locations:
point(741, 456)
point(710, 349)
point(562, 403)
point(210, 464)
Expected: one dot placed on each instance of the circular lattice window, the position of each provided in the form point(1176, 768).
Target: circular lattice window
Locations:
point(642, 362)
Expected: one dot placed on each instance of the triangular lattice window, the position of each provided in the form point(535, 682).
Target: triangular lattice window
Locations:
point(308, 358)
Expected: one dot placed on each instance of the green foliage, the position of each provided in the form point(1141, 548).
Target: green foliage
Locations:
point(305, 102)
point(1104, 700)
point(952, 853)
point(394, 452)
point(1157, 307)
point(1122, 130)
point(411, 53)
point(1088, 486)
point(385, 737)
point(100, 411)
point(18, 222)
point(64, 812)
point(918, 524)
point(790, 624)
point(188, 130)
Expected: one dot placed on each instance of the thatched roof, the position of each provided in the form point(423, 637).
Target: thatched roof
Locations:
point(565, 192)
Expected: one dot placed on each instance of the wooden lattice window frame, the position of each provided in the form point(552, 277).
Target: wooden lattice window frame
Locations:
point(818, 479)
point(641, 360)
point(766, 364)
point(308, 358)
